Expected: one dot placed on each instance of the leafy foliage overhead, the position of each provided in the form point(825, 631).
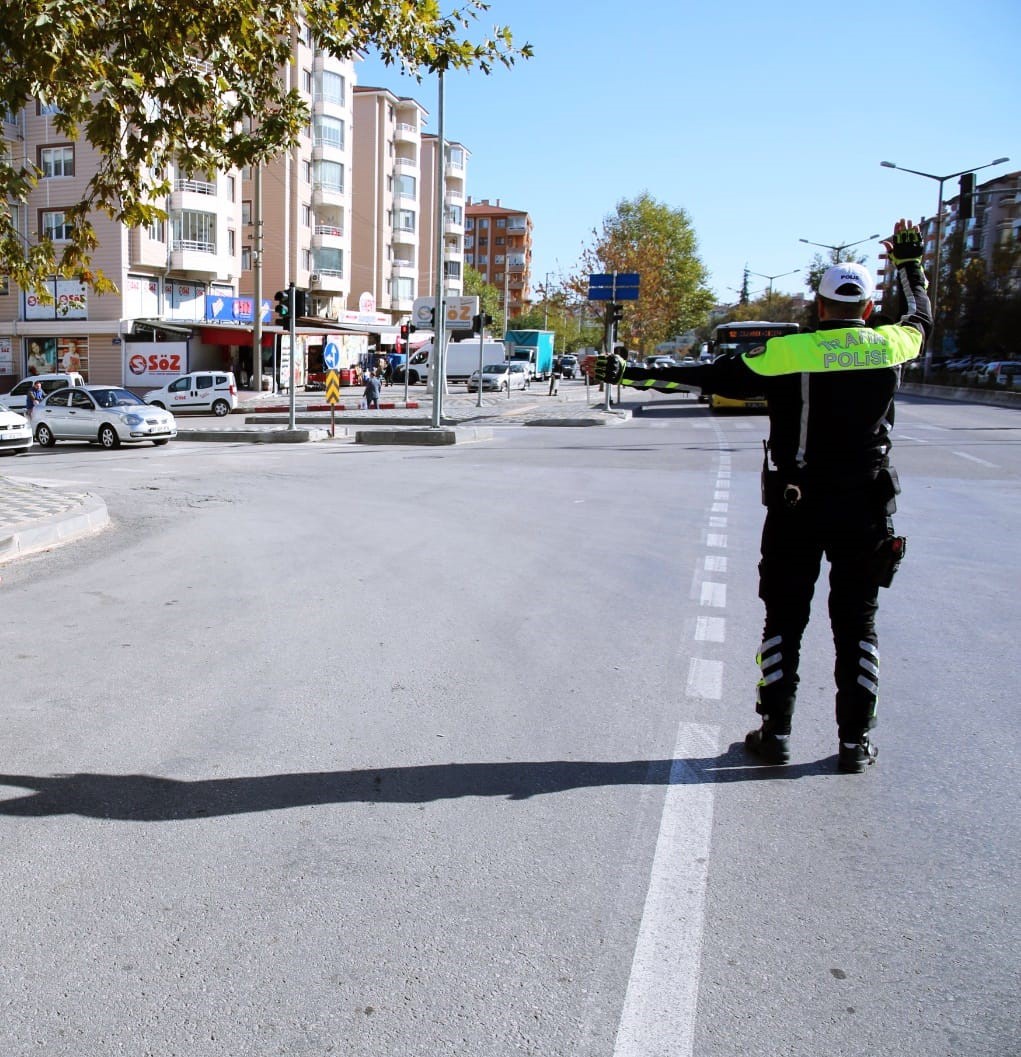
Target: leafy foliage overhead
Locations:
point(154, 82)
point(658, 242)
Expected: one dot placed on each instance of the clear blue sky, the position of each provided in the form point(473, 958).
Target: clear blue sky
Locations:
point(765, 123)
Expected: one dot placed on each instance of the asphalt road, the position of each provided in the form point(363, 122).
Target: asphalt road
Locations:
point(327, 749)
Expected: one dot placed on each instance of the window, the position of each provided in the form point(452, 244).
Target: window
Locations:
point(306, 82)
point(329, 262)
point(246, 258)
point(56, 161)
point(453, 214)
point(53, 225)
point(194, 231)
point(452, 270)
point(483, 223)
point(501, 222)
point(500, 240)
point(328, 175)
point(306, 171)
point(306, 216)
point(231, 242)
point(232, 189)
point(406, 186)
point(46, 108)
point(157, 230)
point(469, 224)
point(246, 212)
point(405, 220)
point(328, 131)
point(330, 87)
point(404, 289)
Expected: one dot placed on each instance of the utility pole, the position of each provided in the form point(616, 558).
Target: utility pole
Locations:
point(256, 375)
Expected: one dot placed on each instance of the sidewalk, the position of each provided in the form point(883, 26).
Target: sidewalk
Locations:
point(36, 517)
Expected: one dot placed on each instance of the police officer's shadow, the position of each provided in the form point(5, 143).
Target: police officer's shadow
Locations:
point(149, 798)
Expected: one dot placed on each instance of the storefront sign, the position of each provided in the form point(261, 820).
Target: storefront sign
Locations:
point(69, 300)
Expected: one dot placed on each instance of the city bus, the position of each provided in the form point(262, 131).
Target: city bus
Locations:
point(734, 339)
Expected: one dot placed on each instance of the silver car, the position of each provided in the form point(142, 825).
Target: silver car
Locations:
point(499, 377)
point(100, 414)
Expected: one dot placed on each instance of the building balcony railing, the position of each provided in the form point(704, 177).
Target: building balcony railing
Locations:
point(329, 229)
point(199, 187)
point(404, 132)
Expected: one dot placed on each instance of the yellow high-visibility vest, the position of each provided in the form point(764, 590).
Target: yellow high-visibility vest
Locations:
point(843, 349)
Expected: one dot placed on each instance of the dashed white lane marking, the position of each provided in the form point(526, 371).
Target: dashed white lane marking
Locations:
point(713, 595)
point(715, 563)
point(975, 458)
point(716, 539)
point(710, 629)
point(658, 1017)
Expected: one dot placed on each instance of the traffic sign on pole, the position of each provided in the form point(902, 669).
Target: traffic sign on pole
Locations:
point(613, 286)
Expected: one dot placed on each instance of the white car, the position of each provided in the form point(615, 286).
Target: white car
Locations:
point(214, 391)
point(100, 414)
point(15, 432)
point(500, 377)
point(50, 383)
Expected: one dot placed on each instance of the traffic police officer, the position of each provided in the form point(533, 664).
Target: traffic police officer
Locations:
point(828, 485)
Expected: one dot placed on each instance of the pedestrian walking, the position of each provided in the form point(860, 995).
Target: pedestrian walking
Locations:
point(372, 389)
point(828, 486)
point(556, 371)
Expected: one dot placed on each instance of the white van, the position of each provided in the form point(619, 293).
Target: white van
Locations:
point(50, 383)
point(214, 391)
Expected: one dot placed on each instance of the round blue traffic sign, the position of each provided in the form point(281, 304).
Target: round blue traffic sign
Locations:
point(331, 356)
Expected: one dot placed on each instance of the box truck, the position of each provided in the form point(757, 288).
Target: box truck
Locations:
point(534, 347)
point(462, 359)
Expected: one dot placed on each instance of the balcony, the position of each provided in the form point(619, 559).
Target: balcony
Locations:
point(327, 194)
point(406, 164)
point(196, 259)
point(404, 237)
point(405, 133)
point(193, 194)
point(452, 225)
point(403, 265)
point(328, 281)
point(327, 236)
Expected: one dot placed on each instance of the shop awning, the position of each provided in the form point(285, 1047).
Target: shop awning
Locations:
point(241, 336)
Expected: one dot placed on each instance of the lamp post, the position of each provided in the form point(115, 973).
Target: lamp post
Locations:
point(838, 249)
point(937, 336)
point(769, 295)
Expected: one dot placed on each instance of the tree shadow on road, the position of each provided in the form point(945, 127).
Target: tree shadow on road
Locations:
point(149, 798)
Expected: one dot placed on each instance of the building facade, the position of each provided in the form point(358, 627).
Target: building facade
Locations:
point(498, 245)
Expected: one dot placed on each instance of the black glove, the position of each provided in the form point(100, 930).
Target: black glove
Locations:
point(610, 369)
point(905, 246)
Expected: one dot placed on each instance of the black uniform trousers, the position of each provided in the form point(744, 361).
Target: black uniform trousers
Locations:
point(849, 529)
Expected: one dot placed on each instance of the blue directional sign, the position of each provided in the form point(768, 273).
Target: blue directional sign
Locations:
point(613, 286)
point(331, 356)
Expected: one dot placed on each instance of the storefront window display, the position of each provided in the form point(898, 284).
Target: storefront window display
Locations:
point(52, 355)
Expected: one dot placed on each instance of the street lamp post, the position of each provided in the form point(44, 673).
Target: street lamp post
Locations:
point(937, 336)
point(837, 250)
point(779, 275)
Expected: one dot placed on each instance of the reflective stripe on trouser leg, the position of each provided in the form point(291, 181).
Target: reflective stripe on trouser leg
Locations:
point(774, 694)
point(858, 692)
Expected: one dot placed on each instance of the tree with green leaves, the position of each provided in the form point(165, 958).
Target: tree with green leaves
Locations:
point(154, 83)
point(489, 297)
point(658, 242)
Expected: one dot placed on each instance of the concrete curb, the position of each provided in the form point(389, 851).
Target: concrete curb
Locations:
point(44, 533)
point(278, 435)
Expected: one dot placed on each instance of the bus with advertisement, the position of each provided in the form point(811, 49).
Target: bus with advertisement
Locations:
point(735, 339)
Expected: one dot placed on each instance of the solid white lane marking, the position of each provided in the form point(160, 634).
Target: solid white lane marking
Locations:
point(714, 595)
point(710, 629)
point(658, 1017)
point(975, 458)
point(914, 440)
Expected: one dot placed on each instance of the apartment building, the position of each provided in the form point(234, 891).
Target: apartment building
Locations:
point(995, 223)
point(498, 244)
point(455, 171)
point(163, 272)
point(307, 192)
point(386, 227)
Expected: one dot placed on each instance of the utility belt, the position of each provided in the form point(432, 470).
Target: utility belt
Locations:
point(790, 490)
point(786, 488)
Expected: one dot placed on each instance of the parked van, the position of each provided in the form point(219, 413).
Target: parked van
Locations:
point(214, 391)
point(50, 383)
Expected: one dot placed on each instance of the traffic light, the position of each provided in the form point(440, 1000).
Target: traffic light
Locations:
point(966, 205)
point(300, 303)
point(480, 322)
point(616, 313)
point(405, 331)
point(282, 306)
